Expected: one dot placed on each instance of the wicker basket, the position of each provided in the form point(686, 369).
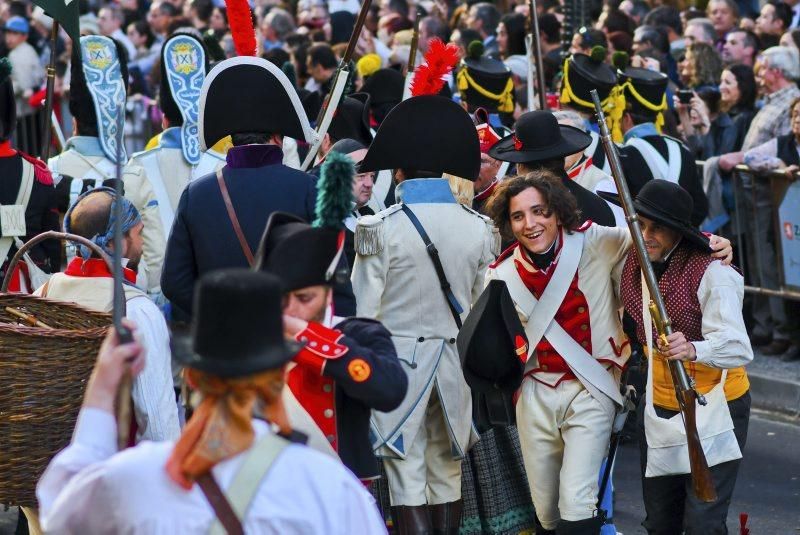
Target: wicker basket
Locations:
point(43, 373)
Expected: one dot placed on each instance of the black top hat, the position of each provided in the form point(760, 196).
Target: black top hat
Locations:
point(485, 82)
point(666, 203)
point(237, 328)
point(171, 109)
point(297, 253)
point(583, 73)
point(8, 106)
point(429, 133)
point(491, 344)
point(351, 120)
point(645, 90)
point(245, 94)
point(538, 136)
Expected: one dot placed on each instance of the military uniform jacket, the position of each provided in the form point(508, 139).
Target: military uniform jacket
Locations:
point(395, 282)
point(671, 161)
point(83, 166)
point(342, 374)
point(202, 238)
point(169, 173)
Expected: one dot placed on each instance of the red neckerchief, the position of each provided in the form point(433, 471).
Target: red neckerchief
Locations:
point(95, 267)
point(485, 194)
point(6, 150)
point(578, 169)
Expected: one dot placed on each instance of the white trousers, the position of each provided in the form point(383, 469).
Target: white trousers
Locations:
point(428, 474)
point(564, 434)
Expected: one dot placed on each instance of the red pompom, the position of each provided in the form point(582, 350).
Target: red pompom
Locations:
point(439, 61)
point(240, 21)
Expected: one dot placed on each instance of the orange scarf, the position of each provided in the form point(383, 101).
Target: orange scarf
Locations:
point(221, 426)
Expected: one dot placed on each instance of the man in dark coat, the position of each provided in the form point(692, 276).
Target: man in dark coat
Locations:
point(221, 217)
point(27, 197)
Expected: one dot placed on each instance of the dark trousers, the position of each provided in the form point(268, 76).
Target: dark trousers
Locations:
point(669, 502)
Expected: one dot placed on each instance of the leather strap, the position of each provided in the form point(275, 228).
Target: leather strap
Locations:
point(220, 504)
point(452, 302)
point(226, 197)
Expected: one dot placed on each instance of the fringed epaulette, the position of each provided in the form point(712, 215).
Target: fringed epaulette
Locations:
point(496, 239)
point(40, 170)
point(369, 239)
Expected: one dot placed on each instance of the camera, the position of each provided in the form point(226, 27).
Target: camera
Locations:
point(685, 96)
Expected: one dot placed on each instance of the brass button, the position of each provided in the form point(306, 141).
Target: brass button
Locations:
point(584, 327)
point(327, 388)
point(544, 367)
point(585, 343)
point(331, 438)
point(328, 413)
point(581, 310)
point(577, 293)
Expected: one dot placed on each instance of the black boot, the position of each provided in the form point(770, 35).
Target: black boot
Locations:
point(411, 520)
point(446, 518)
point(587, 526)
point(539, 529)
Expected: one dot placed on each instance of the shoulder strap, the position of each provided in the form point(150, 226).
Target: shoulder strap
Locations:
point(26, 186)
point(675, 161)
point(251, 473)
point(658, 166)
point(165, 210)
point(248, 253)
point(222, 508)
point(452, 302)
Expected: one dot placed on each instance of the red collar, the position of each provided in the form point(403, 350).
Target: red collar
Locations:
point(6, 150)
point(578, 169)
point(95, 267)
point(485, 194)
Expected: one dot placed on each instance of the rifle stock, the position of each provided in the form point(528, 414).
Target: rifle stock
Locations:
point(685, 392)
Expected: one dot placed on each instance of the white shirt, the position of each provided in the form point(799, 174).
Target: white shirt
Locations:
point(725, 342)
point(89, 488)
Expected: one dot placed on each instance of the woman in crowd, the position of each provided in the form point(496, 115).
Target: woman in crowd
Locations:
point(511, 35)
point(701, 66)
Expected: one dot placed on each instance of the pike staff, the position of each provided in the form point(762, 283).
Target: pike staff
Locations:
point(702, 483)
point(337, 88)
point(536, 50)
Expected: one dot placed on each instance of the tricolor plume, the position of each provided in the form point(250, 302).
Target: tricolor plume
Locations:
point(335, 197)
point(240, 21)
point(439, 61)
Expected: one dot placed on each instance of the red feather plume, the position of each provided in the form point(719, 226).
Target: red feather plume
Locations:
point(240, 21)
point(439, 61)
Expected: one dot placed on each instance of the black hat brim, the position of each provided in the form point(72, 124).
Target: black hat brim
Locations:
point(659, 216)
point(271, 358)
point(573, 140)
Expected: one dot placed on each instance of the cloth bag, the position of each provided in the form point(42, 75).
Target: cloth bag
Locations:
point(667, 445)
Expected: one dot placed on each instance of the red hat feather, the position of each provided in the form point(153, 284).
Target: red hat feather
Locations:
point(240, 21)
point(439, 61)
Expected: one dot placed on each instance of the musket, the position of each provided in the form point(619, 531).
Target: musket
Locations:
point(123, 402)
point(331, 102)
point(48, 101)
point(537, 56)
point(412, 57)
point(702, 483)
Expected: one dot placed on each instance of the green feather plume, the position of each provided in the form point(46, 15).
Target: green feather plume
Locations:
point(5, 69)
point(620, 59)
point(335, 191)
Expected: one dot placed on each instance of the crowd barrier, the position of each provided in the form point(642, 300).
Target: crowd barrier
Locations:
point(773, 200)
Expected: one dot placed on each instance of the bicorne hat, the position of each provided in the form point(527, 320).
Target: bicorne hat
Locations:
point(485, 82)
point(351, 120)
point(8, 106)
point(666, 203)
point(493, 346)
point(237, 327)
point(246, 94)
point(184, 63)
point(538, 136)
point(304, 255)
point(98, 88)
point(385, 89)
point(429, 133)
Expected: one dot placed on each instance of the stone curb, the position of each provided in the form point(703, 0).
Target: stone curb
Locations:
point(775, 394)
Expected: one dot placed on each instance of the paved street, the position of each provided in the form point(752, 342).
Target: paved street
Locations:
point(768, 488)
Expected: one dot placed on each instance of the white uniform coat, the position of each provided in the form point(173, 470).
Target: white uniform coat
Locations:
point(395, 283)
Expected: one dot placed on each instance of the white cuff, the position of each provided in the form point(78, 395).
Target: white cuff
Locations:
point(96, 429)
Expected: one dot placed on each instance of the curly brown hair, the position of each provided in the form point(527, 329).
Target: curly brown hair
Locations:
point(557, 197)
point(707, 65)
